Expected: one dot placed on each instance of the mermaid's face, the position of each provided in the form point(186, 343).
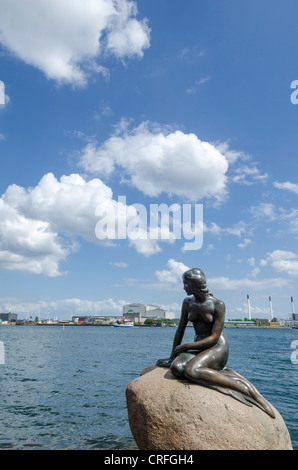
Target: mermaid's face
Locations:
point(188, 286)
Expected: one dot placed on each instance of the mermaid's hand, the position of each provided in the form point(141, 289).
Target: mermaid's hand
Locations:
point(180, 349)
point(164, 362)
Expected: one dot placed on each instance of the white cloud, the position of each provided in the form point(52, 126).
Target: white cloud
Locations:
point(2, 93)
point(286, 218)
point(29, 245)
point(257, 312)
point(249, 175)
point(68, 204)
point(145, 246)
point(251, 261)
point(4, 99)
point(231, 155)
point(65, 39)
point(237, 230)
point(127, 36)
point(243, 169)
point(293, 187)
point(282, 261)
point(171, 279)
point(225, 283)
point(38, 225)
point(265, 209)
point(41, 226)
point(245, 243)
point(294, 226)
point(157, 161)
point(255, 271)
point(119, 264)
point(63, 309)
point(197, 83)
point(274, 213)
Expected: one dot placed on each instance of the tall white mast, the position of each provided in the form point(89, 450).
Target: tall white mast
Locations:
point(248, 307)
point(292, 304)
point(270, 307)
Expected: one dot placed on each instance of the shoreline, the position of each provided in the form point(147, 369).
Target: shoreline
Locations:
point(65, 324)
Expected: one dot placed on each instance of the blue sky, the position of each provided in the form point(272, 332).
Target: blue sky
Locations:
point(161, 102)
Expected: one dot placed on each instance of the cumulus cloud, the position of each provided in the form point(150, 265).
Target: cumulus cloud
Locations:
point(62, 308)
point(156, 160)
point(245, 243)
point(4, 99)
point(293, 187)
point(28, 245)
point(238, 229)
point(2, 93)
point(38, 225)
point(268, 210)
point(251, 261)
point(42, 225)
point(222, 283)
point(249, 175)
point(68, 204)
point(287, 218)
point(171, 279)
point(231, 155)
point(65, 39)
point(127, 36)
point(282, 261)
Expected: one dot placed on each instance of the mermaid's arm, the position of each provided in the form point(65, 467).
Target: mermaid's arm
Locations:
point(210, 340)
point(178, 335)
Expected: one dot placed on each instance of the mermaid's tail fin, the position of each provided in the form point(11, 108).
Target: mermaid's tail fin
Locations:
point(252, 398)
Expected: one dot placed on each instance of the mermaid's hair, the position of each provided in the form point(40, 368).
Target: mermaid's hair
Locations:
point(198, 278)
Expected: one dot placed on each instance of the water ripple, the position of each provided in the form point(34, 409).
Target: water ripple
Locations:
point(66, 389)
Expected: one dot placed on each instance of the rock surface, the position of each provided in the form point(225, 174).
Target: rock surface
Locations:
point(169, 414)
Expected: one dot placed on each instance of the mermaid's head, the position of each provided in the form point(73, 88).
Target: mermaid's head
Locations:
point(197, 279)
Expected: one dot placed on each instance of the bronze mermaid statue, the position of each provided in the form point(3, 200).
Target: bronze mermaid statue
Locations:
point(204, 361)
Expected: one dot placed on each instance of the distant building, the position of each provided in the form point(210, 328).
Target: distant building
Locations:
point(140, 312)
point(80, 318)
point(275, 323)
point(94, 319)
point(289, 323)
point(49, 321)
point(262, 322)
point(294, 316)
point(8, 316)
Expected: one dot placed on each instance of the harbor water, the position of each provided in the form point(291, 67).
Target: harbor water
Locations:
point(65, 388)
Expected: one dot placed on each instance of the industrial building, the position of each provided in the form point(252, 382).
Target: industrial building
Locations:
point(8, 317)
point(93, 319)
point(140, 312)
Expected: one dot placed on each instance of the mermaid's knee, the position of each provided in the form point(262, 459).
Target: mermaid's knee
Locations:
point(198, 373)
point(177, 369)
point(191, 372)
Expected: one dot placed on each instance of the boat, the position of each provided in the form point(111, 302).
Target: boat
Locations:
point(125, 324)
